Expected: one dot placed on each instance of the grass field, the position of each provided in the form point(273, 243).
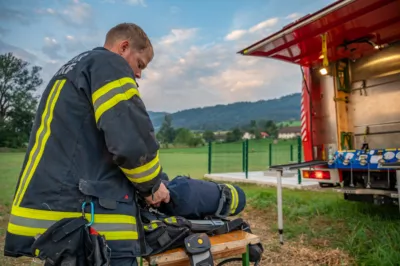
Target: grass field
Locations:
point(320, 228)
point(227, 157)
point(296, 123)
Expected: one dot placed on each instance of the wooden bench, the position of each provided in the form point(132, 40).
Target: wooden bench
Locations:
point(223, 246)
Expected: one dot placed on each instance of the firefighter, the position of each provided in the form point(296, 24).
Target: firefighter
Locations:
point(93, 146)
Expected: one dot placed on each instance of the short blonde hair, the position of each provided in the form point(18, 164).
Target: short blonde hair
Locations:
point(131, 32)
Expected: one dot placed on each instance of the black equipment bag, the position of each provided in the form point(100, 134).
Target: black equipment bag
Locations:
point(168, 232)
point(71, 242)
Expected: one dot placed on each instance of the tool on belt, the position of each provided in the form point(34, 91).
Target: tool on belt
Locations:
point(72, 241)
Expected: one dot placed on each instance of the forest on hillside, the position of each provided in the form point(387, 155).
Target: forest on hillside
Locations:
point(226, 117)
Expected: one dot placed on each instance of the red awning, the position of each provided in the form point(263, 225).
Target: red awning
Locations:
point(349, 25)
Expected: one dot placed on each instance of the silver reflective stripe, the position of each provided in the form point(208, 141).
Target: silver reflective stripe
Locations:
point(107, 96)
point(102, 227)
point(33, 223)
point(115, 227)
point(145, 173)
point(40, 138)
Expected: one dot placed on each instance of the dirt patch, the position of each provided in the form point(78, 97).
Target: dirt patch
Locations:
point(296, 252)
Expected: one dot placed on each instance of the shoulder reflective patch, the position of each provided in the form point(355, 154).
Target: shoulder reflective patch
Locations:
point(42, 135)
point(112, 93)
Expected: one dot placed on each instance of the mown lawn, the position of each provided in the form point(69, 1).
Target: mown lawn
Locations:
point(320, 228)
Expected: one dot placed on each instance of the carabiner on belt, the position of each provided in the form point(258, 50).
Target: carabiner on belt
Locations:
point(91, 212)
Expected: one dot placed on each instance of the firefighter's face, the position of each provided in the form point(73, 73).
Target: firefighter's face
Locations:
point(138, 60)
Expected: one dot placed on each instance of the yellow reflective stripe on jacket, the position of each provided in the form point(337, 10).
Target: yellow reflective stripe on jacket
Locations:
point(145, 172)
point(112, 93)
point(235, 198)
point(171, 220)
point(42, 135)
point(30, 222)
point(152, 226)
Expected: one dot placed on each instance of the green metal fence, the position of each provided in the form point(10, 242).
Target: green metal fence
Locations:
point(252, 155)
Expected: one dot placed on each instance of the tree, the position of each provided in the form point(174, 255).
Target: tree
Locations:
point(18, 103)
point(234, 135)
point(183, 136)
point(195, 141)
point(166, 134)
point(208, 136)
point(254, 129)
point(271, 128)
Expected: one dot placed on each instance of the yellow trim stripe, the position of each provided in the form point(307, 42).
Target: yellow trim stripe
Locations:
point(56, 216)
point(145, 172)
point(142, 168)
point(112, 93)
point(235, 198)
point(110, 86)
point(114, 101)
point(147, 177)
point(110, 235)
point(42, 135)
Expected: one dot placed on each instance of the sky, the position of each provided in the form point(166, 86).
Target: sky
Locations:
point(195, 41)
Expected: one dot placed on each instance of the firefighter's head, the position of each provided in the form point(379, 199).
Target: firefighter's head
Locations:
point(132, 43)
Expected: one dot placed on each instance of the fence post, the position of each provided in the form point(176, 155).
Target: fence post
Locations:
point(270, 154)
point(244, 156)
point(209, 156)
point(299, 149)
point(291, 153)
point(247, 159)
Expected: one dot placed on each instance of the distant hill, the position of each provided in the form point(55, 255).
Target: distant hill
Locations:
point(225, 117)
point(157, 118)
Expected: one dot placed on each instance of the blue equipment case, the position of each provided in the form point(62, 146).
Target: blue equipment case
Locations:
point(364, 160)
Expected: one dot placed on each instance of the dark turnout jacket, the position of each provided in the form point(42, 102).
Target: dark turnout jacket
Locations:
point(92, 141)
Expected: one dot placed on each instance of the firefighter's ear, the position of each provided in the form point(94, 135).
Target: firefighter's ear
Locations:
point(123, 47)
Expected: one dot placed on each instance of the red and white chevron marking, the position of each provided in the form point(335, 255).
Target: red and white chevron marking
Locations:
point(303, 118)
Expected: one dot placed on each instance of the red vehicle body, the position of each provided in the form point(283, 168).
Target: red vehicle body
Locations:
point(345, 50)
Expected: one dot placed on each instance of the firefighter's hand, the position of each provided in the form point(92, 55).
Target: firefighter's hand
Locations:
point(161, 195)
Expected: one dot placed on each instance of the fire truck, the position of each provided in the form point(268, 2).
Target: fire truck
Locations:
point(349, 56)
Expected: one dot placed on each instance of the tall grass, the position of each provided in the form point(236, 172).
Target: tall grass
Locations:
point(369, 233)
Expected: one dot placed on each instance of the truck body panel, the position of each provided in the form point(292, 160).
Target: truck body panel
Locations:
point(349, 54)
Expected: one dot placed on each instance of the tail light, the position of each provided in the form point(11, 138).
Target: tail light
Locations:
point(317, 174)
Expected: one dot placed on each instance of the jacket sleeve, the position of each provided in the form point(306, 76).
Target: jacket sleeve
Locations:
point(122, 117)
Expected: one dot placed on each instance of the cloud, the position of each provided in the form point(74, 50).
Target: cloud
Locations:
point(76, 13)
point(18, 52)
point(135, 2)
point(11, 14)
point(235, 35)
point(174, 10)
point(178, 35)
point(73, 44)
point(258, 29)
point(128, 2)
point(3, 31)
point(210, 74)
point(265, 24)
point(49, 67)
point(51, 48)
point(293, 16)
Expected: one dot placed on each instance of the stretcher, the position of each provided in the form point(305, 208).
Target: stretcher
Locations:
point(224, 246)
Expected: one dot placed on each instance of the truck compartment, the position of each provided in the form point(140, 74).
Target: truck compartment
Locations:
point(384, 180)
point(368, 114)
